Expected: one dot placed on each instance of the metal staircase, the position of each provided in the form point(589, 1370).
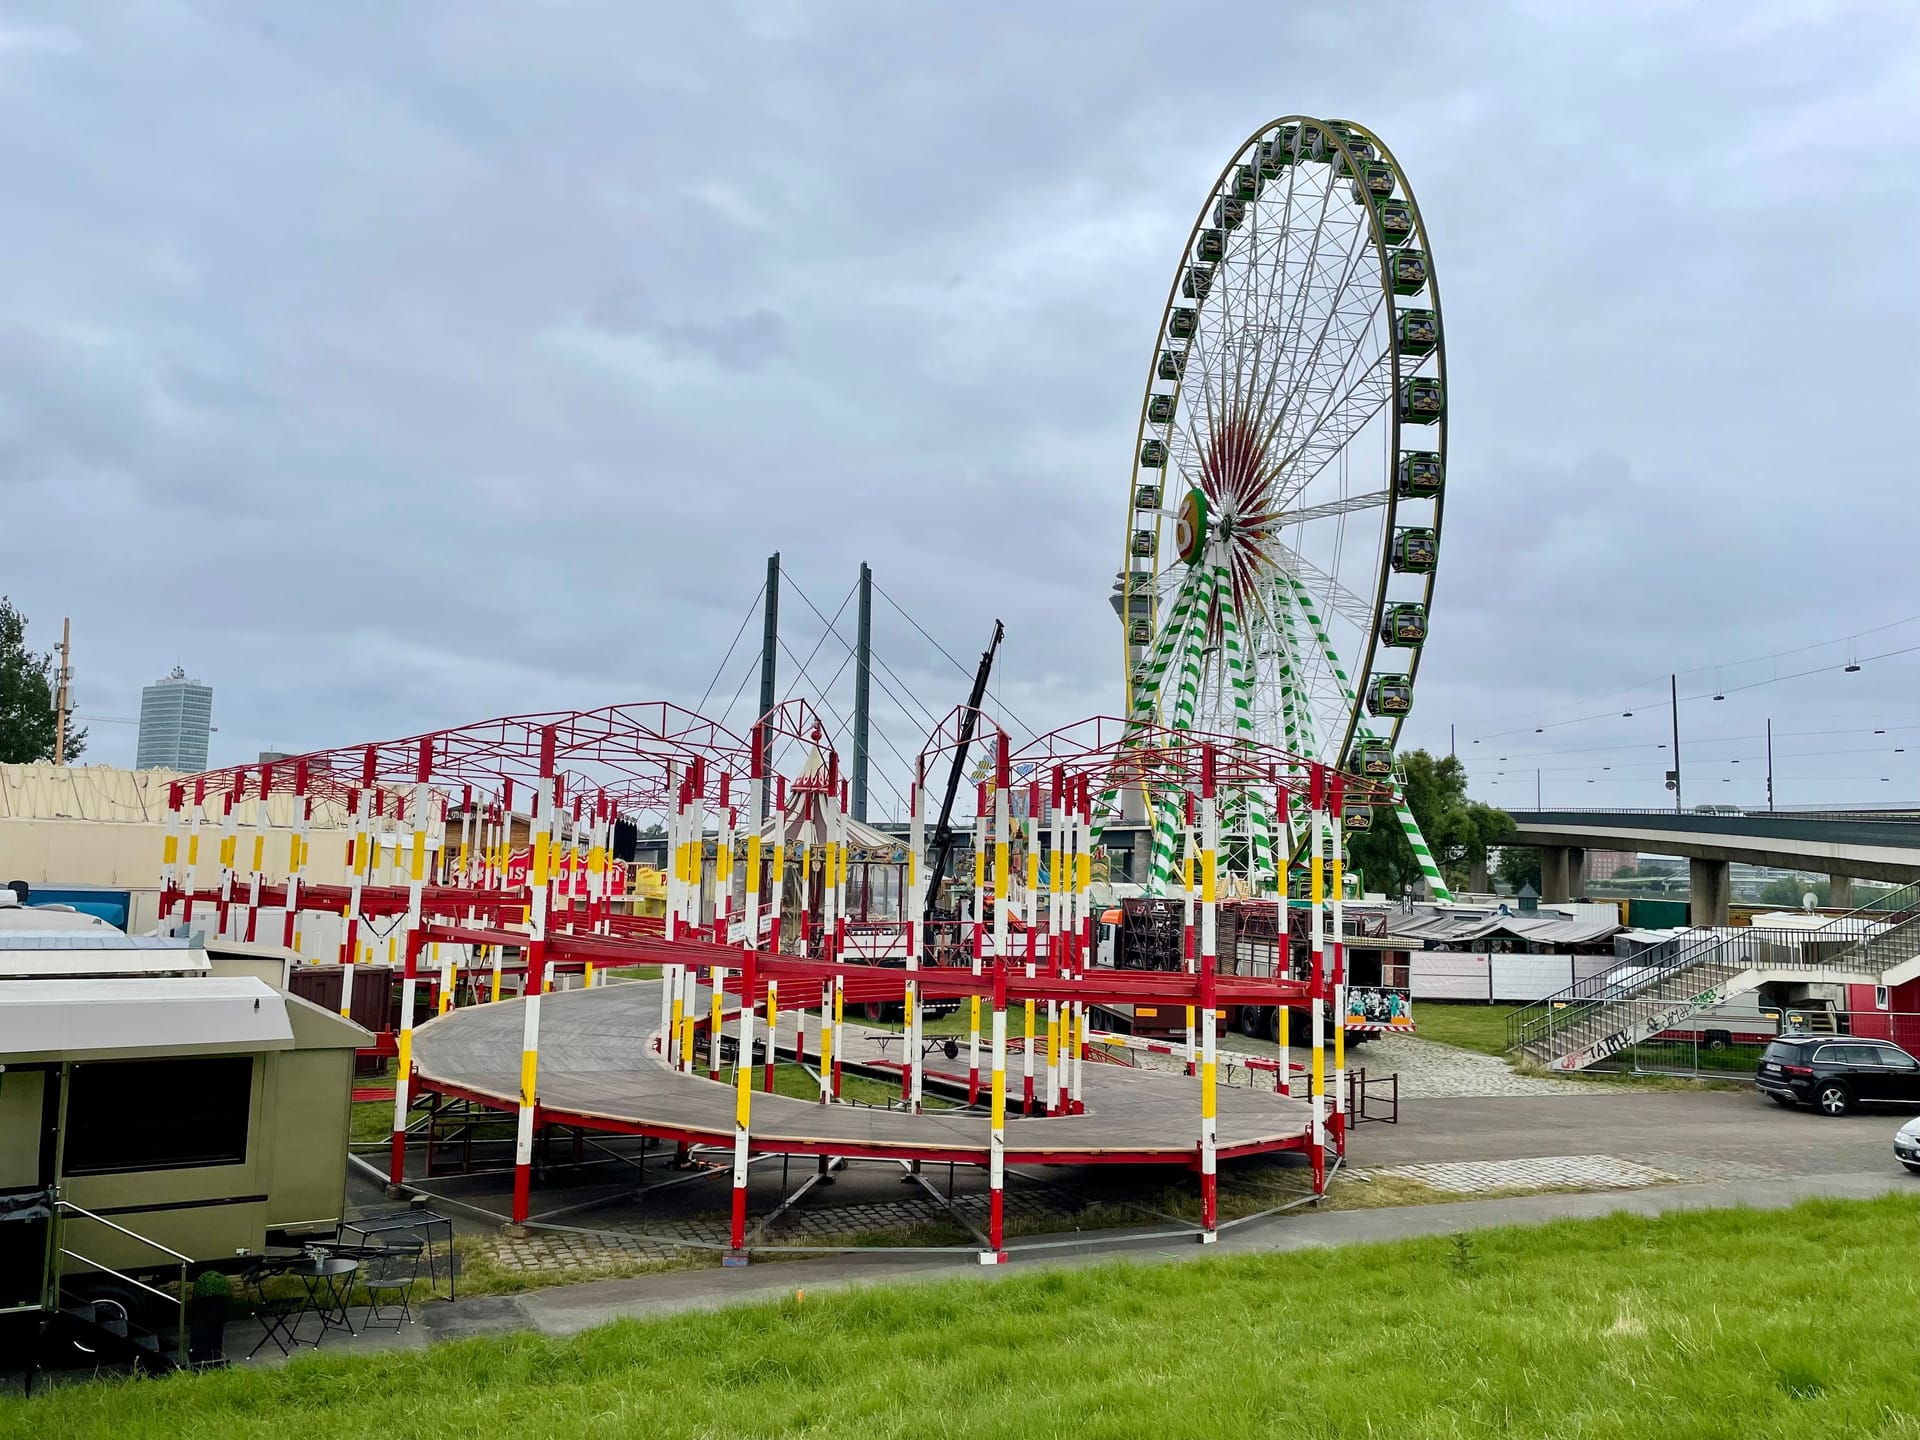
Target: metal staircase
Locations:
point(1639, 998)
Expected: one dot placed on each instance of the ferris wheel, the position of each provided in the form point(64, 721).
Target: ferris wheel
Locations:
point(1285, 496)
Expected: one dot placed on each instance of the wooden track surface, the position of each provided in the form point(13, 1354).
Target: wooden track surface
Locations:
point(597, 1061)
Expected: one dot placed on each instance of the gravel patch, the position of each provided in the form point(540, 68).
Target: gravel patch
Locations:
point(1427, 1070)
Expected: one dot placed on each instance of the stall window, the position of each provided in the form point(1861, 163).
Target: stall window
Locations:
point(158, 1114)
point(1879, 997)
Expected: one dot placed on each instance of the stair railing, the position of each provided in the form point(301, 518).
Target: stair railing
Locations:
point(64, 1208)
point(1583, 1003)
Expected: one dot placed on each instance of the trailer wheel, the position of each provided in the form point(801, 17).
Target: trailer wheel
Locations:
point(1253, 1021)
point(1718, 1039)
point(1272, 1027)
point(111, 1301)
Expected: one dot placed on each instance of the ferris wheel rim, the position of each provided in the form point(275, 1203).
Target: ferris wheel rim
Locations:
point(1337, 133)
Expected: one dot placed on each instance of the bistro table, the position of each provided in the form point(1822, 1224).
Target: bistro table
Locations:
point(329, 1282)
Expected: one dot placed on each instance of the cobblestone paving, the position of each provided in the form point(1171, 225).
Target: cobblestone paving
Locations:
point(1427, 1070)
point(1585, 1172)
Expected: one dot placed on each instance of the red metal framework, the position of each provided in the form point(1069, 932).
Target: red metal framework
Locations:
point(723, 926)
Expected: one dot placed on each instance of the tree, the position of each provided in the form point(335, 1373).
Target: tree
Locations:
point(26, 697)
point(1786, 892)
point(1458, 831)
point(1519, 865)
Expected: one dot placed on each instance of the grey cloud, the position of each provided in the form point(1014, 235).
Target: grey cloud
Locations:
point(563, 318)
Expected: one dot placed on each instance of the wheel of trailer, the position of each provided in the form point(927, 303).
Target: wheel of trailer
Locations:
point(1833, 1099)
point(108, 1301)
point(1718, 1040)
point(1253, 1021)
point(1284, 493)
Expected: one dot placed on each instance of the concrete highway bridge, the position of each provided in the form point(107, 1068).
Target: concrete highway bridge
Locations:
point(1876, 844)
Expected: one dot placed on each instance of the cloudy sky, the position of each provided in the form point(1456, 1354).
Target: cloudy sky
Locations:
point(390, 366)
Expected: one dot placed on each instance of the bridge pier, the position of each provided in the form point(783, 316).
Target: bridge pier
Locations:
point(1840, 892)
point(1710, 883)
point(1563, 873)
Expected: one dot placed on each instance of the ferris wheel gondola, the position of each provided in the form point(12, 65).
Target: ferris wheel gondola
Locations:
point(1294, 432)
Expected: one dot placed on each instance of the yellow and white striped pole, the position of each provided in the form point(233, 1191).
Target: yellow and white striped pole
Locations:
point(1057, 863)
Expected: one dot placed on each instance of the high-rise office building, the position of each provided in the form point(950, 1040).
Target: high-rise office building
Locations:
point(176, 716)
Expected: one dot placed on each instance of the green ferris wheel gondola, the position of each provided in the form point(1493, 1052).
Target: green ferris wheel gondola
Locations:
point(1300, 344)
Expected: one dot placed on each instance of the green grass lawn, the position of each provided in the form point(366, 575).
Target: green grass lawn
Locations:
point(1464, 1023)
point(1687, 1326)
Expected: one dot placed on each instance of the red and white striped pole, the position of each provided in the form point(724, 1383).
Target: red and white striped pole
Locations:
point(397, 1154)
point(1316, 820)
point(170, 852)
point(743, 1104)
point(979, 939)
point(412, 827)
point(194, 817)
point(1283, 865)
point(1209, 959)
point(1059, 862)
point(1002, 874)
point(1336, 834)
point(296, 855)
point(261, 822)
point(1030, 917)
point(995, 1253)
point(536, 974)
point(910, 1077)
point(360, 847)
point(1189, 853)
point(229, 844)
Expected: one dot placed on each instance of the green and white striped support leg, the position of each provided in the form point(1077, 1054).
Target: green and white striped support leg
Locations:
point(1299, 714)
point(1146, 686)
point(1408, 825)
point(1167, 821)
point(1247, 807)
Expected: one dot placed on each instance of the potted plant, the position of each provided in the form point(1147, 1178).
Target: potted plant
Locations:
point(207, 1319)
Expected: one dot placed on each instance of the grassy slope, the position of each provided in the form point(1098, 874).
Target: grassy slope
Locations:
point(1621, 1327)
point(1466, 1025)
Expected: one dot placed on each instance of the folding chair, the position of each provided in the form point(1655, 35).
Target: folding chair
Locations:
point(388, 1273)
point(279, 1315)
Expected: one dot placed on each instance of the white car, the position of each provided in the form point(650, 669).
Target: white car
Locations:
point(1906, 1144)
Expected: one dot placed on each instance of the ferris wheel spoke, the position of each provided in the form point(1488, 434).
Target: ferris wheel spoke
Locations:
point(1343, 602)
point(1374, 500)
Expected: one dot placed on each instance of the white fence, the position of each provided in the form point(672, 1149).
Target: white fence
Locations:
point(1470, 975)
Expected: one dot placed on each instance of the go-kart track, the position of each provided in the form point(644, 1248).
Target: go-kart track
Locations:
point(600, 1069)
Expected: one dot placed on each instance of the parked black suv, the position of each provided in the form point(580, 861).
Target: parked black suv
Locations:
point(1833, 1073)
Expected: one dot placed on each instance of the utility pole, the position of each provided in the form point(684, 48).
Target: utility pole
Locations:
point(1452, 753)
point(61, 702)
point(769, 644)
point(1536, 791)
point(1673, 691)
point(862, 677)
point(1769, 765)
